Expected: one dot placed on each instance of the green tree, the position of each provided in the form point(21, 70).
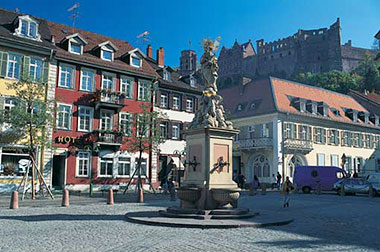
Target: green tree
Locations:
point(147, 137)
point(368, 70)
point(29, 119)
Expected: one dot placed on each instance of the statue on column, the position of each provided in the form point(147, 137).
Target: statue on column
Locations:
point(211, 111)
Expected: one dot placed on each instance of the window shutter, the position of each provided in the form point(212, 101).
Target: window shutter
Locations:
point(169, 130)
point(170, 98)
point(184, 98)
point(315, 135)
point(45, 72)
point(3, 63)
point(158, 98)
point(195, 104)
point(181, 131)
point(25, 69)
point(323, 136)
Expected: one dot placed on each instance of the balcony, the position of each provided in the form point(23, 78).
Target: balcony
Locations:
point(297, 145)
point(108, 137)
point(108, 100)
point(255, 143)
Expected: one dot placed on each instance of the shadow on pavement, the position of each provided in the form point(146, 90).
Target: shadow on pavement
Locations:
point(64, 217)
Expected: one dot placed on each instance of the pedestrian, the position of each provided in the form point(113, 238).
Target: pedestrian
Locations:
point(254, 185)
point(287, 187)
point(279, 177)
point(241, 180)
point(171, 189)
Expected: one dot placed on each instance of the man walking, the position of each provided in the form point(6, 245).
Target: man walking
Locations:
point(279, 177)
point(287, 187)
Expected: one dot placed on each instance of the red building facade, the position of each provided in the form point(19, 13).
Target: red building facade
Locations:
point(101, 84)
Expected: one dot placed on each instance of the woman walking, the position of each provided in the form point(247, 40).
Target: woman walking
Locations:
point(287, 187)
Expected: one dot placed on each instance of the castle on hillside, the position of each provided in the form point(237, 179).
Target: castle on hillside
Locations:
point(312, 51)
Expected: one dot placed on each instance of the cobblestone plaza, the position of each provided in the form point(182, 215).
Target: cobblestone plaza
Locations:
point(321, 223)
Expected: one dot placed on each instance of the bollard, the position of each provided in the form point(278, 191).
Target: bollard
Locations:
point(65, 198)
point(342, 192)
point(370, 193)
point(110, 197)
point(14, 200)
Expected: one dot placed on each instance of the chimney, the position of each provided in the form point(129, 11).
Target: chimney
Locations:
point(149, 52)
point(53, 39)
point(160, 56)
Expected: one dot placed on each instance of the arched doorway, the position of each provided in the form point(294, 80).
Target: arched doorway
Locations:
point(294, 161)
point(261, 166)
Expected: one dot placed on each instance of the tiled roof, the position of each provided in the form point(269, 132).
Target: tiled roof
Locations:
point(283, 89)
point(255, 92)
point(61, 31)
point(7, 29)
point(374, 97)
point(370, 101)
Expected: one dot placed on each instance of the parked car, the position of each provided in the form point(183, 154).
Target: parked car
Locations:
point(352, 186)
point(374, 178)
point(309, 178)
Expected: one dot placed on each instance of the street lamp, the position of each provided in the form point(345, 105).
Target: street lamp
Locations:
point(180, 171)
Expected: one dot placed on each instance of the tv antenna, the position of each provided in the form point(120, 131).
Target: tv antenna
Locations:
point(143, 37)
point(75, 13)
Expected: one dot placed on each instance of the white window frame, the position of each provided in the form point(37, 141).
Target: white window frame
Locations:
point(176, 131)
point(135, 166)
point(29, 21)
point(70, 116)
point(320, 155)
point(87, 70)
point(191, 102)
point(101, 120)
point(78, 159)
point(14, 66)
point(33, 75)
point(91, 115)
point(113, 80)
point(144, 87)
point(72, 76)
point(102, 50)
point(131, 60)
point(332, 157)
point(164, 102)
point(164, 126)
point(124, 163)
point(166, 75)
point(100, 166)
point(130, 121)
point(71, 42)
point(127, 82)
point(178, 99)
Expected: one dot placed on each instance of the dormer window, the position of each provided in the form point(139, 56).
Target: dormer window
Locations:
point(193, 81)
point(107, 50)
point(166, 75)
point(27, 27)
point(74, 43)
point(136, 61)
point(352, 114)
point(107, 55)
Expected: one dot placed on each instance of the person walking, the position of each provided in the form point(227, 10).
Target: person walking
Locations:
point(279, 177)
point(254, 185)
point(287, 187)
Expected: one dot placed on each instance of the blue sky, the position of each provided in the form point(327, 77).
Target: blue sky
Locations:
point(173, 23)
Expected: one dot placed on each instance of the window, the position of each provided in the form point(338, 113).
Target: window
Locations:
point(164, 101)
point(166, 75)
point(261, 166)
point(66, 76)
point(264, 130)
point(142, 128)
point(193, 81)
point(126, 87)
point(83, 164)
point(251, 131)
point(290, 130)
point(106, 120)
point(304, 132)
point(176, 102)
point(319, 135)
point(9, 103)
point(355, 139)
point(75, 48)
point(35, 69)
point(321, 159)
point(334, 160)
point(87, 80)
point(85, 115)
point(189, 105)
point(334, 137)
point(13, 67)
point(136, 61)
point(143, 166)
point(126, 123)
point(106, 167)
point(124, 166)
point(108, 82)
point(346, 138)
point(164, 129)
point(28, 29)
point(107, 55)
point(64, 116)
point(175, 131)
point(144, 94)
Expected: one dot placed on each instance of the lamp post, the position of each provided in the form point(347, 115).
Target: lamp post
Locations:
point(179, 154)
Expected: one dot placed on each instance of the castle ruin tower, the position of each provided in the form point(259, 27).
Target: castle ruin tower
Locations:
point(188, 62)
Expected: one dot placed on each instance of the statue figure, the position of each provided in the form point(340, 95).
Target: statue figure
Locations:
point(211, 110)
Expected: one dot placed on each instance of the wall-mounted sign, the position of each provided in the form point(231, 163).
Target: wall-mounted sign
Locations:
point(66, 139)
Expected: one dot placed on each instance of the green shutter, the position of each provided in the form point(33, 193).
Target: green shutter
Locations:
point(45, 72)
point(25, 69)
point(3, 63)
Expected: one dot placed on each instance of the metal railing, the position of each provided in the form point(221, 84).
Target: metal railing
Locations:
point(255, 143)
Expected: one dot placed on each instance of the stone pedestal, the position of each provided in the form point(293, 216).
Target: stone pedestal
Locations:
point(209, 167)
